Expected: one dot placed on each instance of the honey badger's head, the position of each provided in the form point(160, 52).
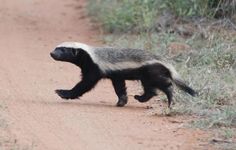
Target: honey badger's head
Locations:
point(68, 51)
point(65, 54)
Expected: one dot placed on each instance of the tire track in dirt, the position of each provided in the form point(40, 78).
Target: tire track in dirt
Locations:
point(29, 30)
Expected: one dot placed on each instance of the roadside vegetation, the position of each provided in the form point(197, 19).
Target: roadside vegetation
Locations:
point(197, 36)
point(142, 15)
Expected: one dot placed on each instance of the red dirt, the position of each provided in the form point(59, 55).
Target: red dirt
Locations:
point(38, 119)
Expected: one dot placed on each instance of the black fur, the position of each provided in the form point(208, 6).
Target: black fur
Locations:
point(155, 76)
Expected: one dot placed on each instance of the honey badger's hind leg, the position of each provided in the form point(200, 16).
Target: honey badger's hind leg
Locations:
point(165, 85)
point(155, 77)
point(149, 92)
point(169, 93)
point(120, 89)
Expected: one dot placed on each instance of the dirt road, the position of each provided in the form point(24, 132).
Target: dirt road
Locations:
point(37, 118)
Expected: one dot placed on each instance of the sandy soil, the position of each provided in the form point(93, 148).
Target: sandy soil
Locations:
point(38, 119)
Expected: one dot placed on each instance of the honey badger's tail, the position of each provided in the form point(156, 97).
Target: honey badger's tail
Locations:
point(183, 86)
point(178, 80)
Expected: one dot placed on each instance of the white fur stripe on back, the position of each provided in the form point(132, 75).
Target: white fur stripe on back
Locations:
point(107, 66)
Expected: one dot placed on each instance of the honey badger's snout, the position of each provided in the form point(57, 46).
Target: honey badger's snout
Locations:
point(54, 54)
point(57, 54)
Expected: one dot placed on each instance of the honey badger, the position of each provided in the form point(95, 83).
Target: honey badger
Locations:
point(119, 65)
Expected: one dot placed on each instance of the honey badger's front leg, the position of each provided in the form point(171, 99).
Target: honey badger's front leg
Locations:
point(78, 90)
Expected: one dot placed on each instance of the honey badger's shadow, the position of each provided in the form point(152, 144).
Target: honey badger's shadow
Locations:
point(98, 104)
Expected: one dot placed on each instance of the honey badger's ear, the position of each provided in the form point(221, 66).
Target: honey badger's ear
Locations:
point(75, 52)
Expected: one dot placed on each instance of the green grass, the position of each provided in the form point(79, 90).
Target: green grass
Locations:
point(142, 15)
point(117, 16)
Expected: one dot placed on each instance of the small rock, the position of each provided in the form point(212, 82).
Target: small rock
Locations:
point(220, 141)
point(149, 107)
point(176, 121)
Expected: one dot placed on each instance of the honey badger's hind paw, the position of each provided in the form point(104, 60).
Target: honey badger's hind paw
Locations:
point(139, 98)
point(121, 103)
point(65, 94)
point(144, 98)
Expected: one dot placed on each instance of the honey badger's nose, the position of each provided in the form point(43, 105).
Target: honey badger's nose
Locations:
point(55, 55)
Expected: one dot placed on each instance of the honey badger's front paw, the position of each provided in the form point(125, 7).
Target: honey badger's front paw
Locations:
point(65, 94)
